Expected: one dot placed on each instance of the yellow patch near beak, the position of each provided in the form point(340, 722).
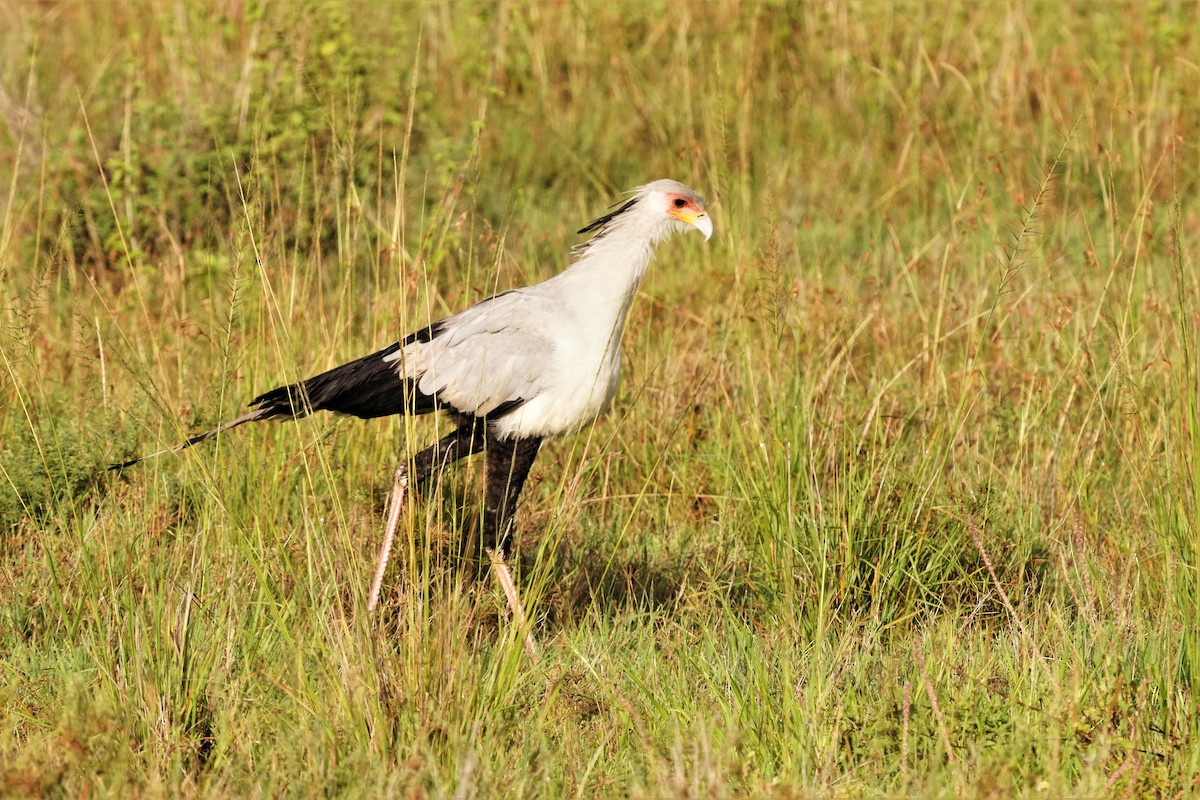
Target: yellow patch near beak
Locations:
point(701, 222)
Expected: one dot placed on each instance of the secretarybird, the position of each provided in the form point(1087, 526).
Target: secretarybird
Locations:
point(511, 370)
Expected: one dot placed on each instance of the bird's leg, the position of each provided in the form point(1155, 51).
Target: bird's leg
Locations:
point(508, 464)
point(465, 440)
point(399, 490)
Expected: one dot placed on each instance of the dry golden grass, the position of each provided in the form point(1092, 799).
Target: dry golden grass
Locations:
point(900, 495)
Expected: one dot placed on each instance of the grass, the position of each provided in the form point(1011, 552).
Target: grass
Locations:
point(899, 496)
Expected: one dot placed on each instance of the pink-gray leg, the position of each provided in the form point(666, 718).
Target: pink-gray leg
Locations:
point(463, 441)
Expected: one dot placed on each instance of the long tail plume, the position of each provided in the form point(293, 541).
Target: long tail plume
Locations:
point(367, 387)
point(249, 416)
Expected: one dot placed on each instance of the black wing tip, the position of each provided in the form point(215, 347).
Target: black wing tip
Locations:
point(507, 407)
point(426, 334)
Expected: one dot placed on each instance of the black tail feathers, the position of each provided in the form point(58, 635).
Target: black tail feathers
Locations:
point(368, 387)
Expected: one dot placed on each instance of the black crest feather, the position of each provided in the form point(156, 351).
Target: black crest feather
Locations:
point(601, 226)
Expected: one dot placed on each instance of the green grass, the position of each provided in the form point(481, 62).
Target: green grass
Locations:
point(899, 497)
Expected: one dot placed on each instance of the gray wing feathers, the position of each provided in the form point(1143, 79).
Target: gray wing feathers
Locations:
point(492, 353)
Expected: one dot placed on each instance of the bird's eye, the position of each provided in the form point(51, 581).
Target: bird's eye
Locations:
point(680, 202)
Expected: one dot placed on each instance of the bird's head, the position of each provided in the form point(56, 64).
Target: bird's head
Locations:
point(656, 210)
point(683, 206)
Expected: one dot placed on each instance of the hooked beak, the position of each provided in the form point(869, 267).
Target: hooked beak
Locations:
point(701, 222)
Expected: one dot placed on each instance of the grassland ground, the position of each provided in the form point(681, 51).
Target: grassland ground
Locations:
point(899, 497)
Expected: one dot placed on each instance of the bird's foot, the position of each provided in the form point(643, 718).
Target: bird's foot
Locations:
point(399, 491)
point(505, 578)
